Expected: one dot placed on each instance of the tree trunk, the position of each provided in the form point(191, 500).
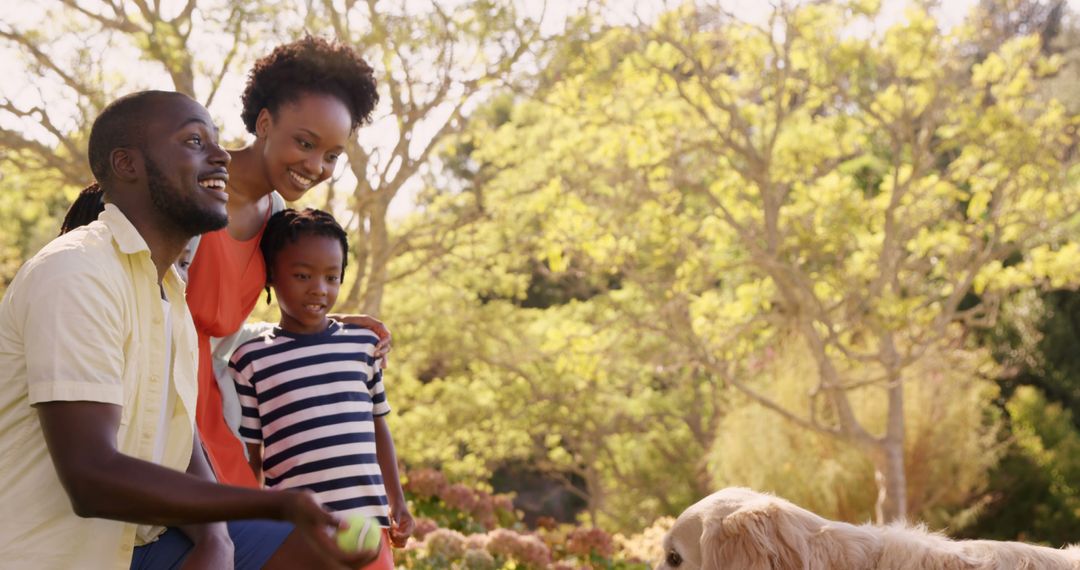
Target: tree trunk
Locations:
point(379, 254)
point(890, 472)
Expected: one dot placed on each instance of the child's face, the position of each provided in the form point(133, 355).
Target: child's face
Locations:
point(184, 261)
point(306, 279)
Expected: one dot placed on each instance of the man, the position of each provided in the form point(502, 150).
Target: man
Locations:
point(97, 377)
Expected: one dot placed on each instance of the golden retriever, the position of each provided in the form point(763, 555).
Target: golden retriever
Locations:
point(741, 529)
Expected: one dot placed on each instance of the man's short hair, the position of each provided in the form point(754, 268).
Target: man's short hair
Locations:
point(121, 124)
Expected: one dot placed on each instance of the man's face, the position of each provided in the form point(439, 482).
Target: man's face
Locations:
point(185, 167)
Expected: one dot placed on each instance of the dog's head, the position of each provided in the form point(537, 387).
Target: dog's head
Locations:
point(739, 528)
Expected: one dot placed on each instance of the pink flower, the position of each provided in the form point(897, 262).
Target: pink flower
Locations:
point(424, 526)
point(524, 548)
point(445, 543)
point(425, 483)
point(460, 497)
point(587, 541)
point(504, 503)
point(483, 510)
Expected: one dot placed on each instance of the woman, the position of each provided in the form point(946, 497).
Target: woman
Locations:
point(302, 102)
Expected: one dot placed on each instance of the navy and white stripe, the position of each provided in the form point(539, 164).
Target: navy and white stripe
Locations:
point(311, 401)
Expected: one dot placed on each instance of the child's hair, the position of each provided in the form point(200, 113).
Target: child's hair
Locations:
point(288, 225)
point(85, 209)
point(310, 65)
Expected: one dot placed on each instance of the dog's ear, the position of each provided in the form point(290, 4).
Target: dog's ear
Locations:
point(758, 536)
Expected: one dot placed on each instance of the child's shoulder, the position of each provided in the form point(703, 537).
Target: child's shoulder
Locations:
point(267, 339)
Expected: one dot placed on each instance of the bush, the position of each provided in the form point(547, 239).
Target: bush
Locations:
point(460, 528)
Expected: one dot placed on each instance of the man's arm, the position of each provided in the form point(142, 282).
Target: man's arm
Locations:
point(213, 548)
point(102, 482)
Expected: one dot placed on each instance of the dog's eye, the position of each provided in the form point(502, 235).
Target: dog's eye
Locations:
point(673, 558)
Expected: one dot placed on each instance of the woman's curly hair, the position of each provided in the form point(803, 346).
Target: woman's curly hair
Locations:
point(310, 65)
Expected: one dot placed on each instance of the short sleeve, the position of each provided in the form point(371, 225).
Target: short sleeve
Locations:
point(379, 405)
point(73, 332)
point(250, 422)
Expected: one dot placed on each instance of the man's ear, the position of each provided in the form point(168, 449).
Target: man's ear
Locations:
point(263, 122)
point(126, 164)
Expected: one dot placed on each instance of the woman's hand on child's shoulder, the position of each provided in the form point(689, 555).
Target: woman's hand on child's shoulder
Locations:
point(376, 326)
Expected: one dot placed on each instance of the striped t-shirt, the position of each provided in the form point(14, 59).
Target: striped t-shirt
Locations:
point(311, 401)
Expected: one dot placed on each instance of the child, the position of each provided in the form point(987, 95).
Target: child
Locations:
point(314, 408)
point(184, 261)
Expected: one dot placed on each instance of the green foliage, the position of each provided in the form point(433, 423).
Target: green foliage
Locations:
point(1030, 495)
point(850, 190)
point(1033, 492)
point(1036, 343)
point(29, 204)
point(556, 392)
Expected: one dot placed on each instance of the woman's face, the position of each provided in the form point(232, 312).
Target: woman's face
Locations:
point(303, 142)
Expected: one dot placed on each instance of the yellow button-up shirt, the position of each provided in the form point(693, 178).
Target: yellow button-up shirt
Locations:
point(83, 321)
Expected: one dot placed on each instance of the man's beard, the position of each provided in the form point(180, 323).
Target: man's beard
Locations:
point(180, 207)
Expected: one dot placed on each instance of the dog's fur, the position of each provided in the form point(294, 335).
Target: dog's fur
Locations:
point(741, 529)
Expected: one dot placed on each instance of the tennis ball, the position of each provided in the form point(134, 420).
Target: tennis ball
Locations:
point(363, 534)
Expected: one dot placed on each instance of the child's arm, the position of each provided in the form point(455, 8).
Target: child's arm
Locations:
point(255, 459)
point(401, 521)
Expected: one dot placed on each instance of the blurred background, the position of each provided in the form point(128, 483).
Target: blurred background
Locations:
point(634, 252)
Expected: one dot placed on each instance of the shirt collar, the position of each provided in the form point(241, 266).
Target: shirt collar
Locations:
point(124, 233)
point(130, 242)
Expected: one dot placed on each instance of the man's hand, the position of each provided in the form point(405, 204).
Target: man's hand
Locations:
point(402, 526)
point(320, 527)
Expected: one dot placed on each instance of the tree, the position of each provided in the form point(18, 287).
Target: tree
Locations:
point(874, 195)
point(80, 55)
point(954, 440)
point(575, 392)
point(435, 65)
point(87, 77)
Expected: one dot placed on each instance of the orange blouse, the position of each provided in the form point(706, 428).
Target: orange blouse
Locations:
point(225, 281)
